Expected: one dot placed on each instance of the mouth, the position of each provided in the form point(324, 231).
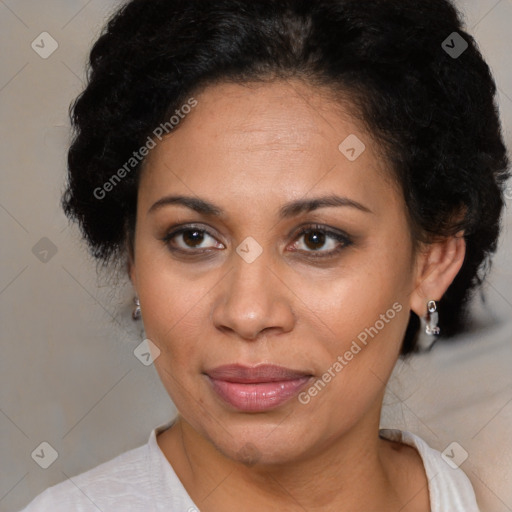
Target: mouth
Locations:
point(258, 388)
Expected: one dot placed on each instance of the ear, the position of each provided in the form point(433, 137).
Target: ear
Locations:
point(131, 265)
point(436, 267)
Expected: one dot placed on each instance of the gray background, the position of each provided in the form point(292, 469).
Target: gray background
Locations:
point(68, 375)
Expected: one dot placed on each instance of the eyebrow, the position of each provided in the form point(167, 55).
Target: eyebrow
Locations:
point(288, 210)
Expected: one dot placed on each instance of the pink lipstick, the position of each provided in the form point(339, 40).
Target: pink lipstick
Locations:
point(258, 388)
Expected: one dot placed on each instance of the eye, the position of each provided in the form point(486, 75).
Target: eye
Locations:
point(188, 238)
point(194, 240)
point(317, 237)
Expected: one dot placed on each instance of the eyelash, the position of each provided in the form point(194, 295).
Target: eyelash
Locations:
point(344, 240)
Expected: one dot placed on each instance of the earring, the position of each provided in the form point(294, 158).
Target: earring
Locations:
point(432, 318)
point(136, 314)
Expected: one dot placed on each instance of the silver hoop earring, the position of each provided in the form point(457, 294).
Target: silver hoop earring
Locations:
point(136, 313)
point(432, 319)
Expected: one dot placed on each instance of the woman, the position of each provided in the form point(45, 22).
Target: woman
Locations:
point(296, 188)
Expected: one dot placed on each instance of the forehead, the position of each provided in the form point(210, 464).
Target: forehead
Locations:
point(264, 116)
point(271, 138)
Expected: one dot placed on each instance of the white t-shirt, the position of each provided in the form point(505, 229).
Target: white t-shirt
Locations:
point(142, 480)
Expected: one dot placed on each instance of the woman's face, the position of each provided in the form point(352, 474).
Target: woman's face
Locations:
point(242, 286)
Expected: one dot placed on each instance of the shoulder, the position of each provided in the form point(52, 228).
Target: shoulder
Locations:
point(449, 487)
point(121, 483)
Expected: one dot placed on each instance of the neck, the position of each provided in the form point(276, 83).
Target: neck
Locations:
point(347, 473)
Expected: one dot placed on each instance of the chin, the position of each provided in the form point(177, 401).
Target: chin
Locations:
point(266, 444)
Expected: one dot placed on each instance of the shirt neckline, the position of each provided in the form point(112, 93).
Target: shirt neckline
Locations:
point(164, 478)
point(168, 492)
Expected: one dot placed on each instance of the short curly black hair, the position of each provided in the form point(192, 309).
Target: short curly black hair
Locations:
point(432, 110)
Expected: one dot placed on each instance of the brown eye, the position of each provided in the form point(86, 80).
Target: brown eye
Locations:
point(188, 238)
point(193, 237)
point(317, 238)
point(314, 239)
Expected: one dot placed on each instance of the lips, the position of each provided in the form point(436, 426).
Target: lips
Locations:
point(258, 388)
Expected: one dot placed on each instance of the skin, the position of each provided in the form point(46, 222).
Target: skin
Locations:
point(249, 150)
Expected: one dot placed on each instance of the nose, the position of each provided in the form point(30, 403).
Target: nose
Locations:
point(253, 301)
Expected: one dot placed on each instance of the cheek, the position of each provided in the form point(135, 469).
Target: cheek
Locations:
point(356, 363)
point(173, 326)
point(170, 305)
point(171, 322)
point(371, 293)
point(365, 341)
point(366, 311)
